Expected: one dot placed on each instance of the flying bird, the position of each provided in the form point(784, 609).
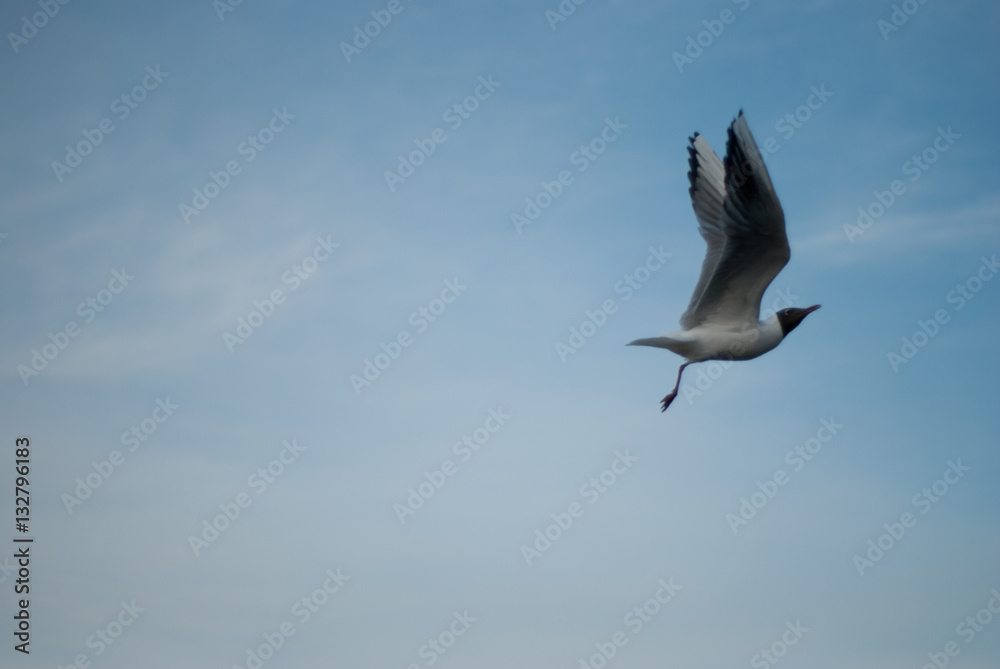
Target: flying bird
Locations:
point(741, 220)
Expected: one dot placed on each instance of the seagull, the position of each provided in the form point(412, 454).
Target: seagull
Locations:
point(740, 218)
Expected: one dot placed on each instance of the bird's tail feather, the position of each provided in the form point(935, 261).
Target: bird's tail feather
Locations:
point(678, 346)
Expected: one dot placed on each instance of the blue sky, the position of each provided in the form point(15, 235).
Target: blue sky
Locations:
point(171, 368)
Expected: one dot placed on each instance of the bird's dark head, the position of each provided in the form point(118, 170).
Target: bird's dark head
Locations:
point(789, 319)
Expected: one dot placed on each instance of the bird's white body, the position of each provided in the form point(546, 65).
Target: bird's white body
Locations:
point(711, 342)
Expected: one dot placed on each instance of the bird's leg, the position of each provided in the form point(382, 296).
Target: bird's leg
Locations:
point(673, 393)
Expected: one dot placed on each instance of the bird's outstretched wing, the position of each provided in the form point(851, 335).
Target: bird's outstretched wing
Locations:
point(740, 218)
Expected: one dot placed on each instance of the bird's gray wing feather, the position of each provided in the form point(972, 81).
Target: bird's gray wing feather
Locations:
point(741, 220)
point(708, 192)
